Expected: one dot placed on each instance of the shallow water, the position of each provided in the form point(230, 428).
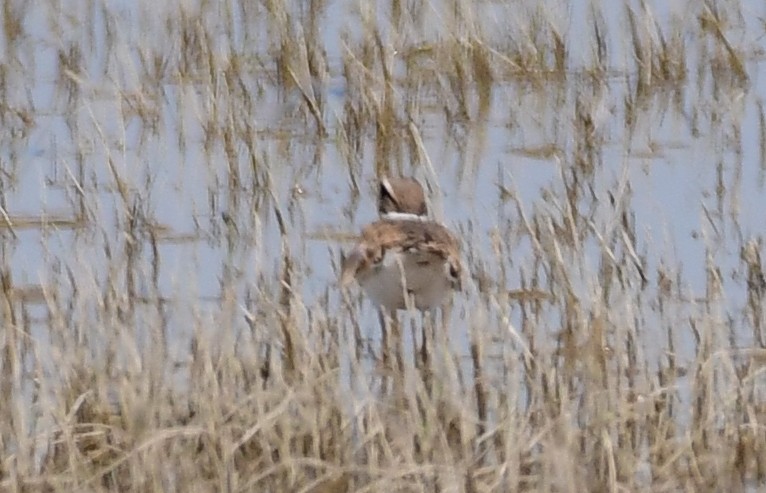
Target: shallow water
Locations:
point(174, 182)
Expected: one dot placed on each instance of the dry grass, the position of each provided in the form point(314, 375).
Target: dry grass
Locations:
point(166, 325)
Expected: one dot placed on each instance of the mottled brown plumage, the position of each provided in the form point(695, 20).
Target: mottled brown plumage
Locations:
point(404, 255)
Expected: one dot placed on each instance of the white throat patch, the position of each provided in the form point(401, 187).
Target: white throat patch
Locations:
point(403, 216)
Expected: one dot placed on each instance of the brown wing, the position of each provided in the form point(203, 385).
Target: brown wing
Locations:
point(426, 235)
point(422, 236)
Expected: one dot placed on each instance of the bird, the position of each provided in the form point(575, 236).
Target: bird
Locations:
point(401, 198)
point(404, 259)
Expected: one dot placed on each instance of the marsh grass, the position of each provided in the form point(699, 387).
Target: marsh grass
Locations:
point(166, 335)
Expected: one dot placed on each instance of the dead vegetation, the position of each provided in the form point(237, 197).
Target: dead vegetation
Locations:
point(170, 318)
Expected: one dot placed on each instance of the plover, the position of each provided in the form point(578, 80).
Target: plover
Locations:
point(404, 259)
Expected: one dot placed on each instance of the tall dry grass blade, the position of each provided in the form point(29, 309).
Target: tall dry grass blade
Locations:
point(711, 20)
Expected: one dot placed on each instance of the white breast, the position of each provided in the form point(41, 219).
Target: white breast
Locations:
point(425, 277)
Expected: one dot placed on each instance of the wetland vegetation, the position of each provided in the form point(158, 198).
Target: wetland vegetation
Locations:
point(178, 179)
